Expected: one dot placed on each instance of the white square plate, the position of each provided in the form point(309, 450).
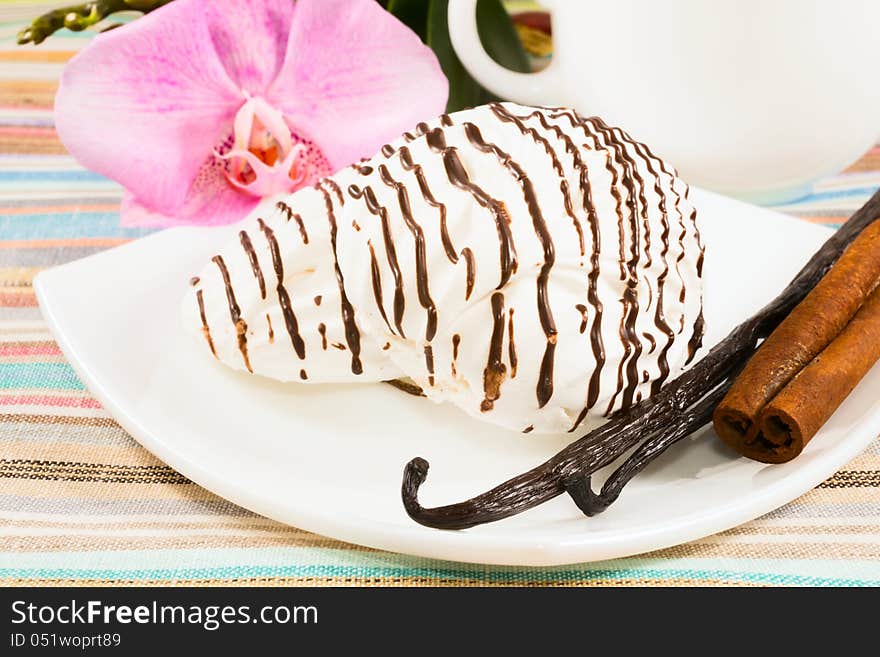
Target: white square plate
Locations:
point(329, 459)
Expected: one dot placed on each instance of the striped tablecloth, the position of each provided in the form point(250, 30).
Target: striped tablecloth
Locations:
point(82, 503)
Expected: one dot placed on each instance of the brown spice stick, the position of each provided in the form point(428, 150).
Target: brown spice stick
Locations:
point(794, 416)
point(808, 329)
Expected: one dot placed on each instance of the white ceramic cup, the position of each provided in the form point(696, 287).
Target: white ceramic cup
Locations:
point(751, 98)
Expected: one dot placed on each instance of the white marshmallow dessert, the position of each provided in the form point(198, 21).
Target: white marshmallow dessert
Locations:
point(535, 268)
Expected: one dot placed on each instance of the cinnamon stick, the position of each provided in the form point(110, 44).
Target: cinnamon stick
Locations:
point(794, 416)
point(808, 329)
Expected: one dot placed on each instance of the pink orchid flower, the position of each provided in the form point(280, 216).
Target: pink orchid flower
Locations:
point(201, 108)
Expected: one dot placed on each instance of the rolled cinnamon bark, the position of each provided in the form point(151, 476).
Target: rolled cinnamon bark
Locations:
point(794, 416)
point(810, 327)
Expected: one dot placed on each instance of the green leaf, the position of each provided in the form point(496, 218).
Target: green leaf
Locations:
point(499, 38)
point(413, 14)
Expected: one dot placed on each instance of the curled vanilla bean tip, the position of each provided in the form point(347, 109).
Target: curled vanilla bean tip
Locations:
point(414, 475)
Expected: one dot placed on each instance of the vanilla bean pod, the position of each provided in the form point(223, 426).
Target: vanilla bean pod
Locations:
point(570, 469)
point(591, 503)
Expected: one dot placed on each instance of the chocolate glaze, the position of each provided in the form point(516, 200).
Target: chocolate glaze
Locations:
point(194, 281)
point(652, 340)
point(290, 321)
point(338, 345)
point(458, 176)
point(696, 340)
point(470, 274)
point(628, 179)
point(364, 170)
point(290, 214)
point(248, 247)
point(446, 120)
point(545, 378)
point(507, 117)
point(496, 370)
point(318, 300)
point(376, 278)
point(511, 345)
point(303, 375)
point(429, 363)
point(271, 331)
point(456, 341)
point(205, 330)
point(422, 282)
point(322, 329)
point(596, 342)
point(369, 198)
point(387, 150)
point(336, 190)
point(529, 429)
point(234, 311)
point(352, 335)
point(582, 309)
point(659, 316)
point(408, 164)
point(631, 342)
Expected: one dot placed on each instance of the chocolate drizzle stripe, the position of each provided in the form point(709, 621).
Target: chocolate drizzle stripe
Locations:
point(507, 117)
point(387, 150)
point(629, 314)
point(429, 363)
point(290, 214)
point(456, 341)
point(511, 345)
point(422, 281)
point(206, 331)
point(582, 309)
point(664, 325)
point(375, 208)
point(352, 335)
point(271, 331)
point(631, 342)
point(322, 330)
point(496, 370)
point(248, 247)
point(336, 190)
point(234, 311)
point(596, 342)
point(376, 277)
point(544, 388)
point(470, 273)
point(408, 164)
point(445, 119)
point(290, 321)
point(458, 176)
point(696, 340)
point(659, 314)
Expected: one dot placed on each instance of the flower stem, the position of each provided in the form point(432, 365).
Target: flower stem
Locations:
point(79, 17)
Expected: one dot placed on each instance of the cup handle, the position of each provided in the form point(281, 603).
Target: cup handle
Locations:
point(542, 88)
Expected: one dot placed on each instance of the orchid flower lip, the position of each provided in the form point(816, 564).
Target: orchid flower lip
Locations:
point(263, 159)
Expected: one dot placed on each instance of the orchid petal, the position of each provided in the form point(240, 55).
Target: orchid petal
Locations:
point(250, 38)
point(376, 67)
point(211, 201)
point(143, 114)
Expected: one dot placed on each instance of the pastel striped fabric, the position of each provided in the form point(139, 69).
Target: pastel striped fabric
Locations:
point(82, 503)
